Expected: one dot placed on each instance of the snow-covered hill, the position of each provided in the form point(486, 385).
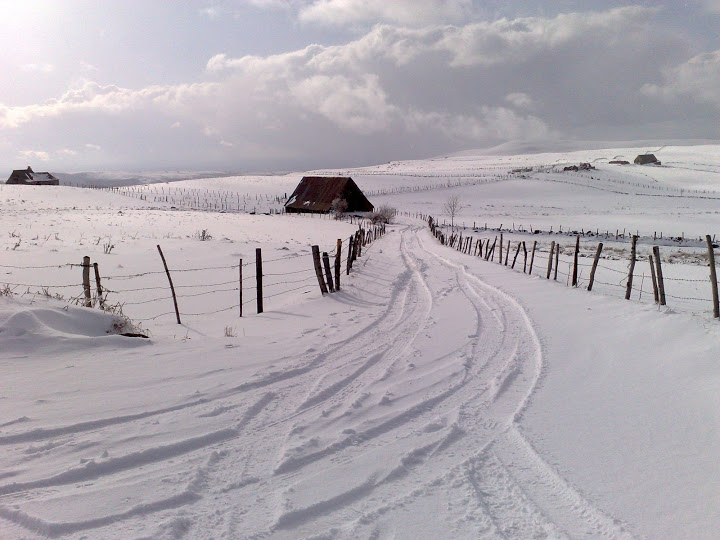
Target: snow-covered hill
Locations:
point(437, 395)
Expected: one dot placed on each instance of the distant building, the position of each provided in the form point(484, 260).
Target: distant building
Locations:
point(315, 194)
point(32, 178)
point(646, 159)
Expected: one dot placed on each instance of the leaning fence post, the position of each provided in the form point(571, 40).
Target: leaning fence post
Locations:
point(517, 252)
point(172, 287)
point(658, 267)
point(524, 256)
point(258, 279)
point(633, 251)
point(713, 276)
point(654, 279)
point(318, 269)
point(594, 266)
point(328, 273)
point(557, 259)
point(338, 254)
point(86, 281)
point(532, 258)
point(101, 300)
point(550, 258)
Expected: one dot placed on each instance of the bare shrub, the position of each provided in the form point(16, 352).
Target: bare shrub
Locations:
point(384, 214)
point(230, 331)
point(203, 235)
point(339, 207)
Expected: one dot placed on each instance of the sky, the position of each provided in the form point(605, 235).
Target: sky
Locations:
point(276, 85)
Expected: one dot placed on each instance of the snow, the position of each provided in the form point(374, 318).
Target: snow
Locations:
point(437, 395)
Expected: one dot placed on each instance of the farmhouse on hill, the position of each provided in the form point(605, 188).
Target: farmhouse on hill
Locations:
point(32, 178)
point(315, 194)
point(646, 159)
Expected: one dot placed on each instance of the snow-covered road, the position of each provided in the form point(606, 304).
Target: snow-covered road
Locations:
point(391, 413)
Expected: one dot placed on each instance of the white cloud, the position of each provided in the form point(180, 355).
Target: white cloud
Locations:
point(34, 155)
point(698, 78)
point(406, 12)
point(520, 100)
point(392, 93)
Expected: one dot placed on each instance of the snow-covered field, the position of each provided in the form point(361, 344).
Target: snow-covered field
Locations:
point(436, 395)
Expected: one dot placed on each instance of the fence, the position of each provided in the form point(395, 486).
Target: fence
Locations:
point(200, 291)
point(682, 289)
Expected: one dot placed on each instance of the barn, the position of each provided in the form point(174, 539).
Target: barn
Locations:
point(32, 178)
point(646, 159)
point(315, 194)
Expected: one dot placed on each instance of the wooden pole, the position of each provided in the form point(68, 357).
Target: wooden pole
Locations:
point(318, 269)
point(86, 281)
point(338, 254)
point(348, 263)
point(328, 273)
point(524, 257)
point(532, 257)
point(575, 262)
point(258, 279)
point(507, 253)
point(557, 259)
point(172, 287)
point(500, 248)
point(240, 286)
point(517, 252)
point(654, 280)
point(633, 251)
point(550, 258)
point(713, 277)
point(101, 300)
point(594, 266)
point(658, 268)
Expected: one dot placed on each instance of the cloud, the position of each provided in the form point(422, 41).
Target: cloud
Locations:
point(698, 78)
point(520, 100)
point(393, 93)
point(406, 12)
point(34, 155)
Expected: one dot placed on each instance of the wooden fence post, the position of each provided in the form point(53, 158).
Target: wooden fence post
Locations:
point(654, 279)
point(101, 300)
point(500, 248)
point(172, 287)
point(240, 286)
point(328, 273)
point(633, 251)
point(575, 262)
point(318, 269)
point(594, 266)
point(524, 257)
point(507, 253)
point(338, 254)
point(557, 259)
point(86, 281)
point(348, 263)
point(258, 279)
point(517, 252)
point(658, 268)
point(550, 258)
point(532, 258)
point(713, 276)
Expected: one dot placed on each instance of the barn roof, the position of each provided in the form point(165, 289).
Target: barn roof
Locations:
point(644, 159)
point(317, 193)
point(28, 176)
